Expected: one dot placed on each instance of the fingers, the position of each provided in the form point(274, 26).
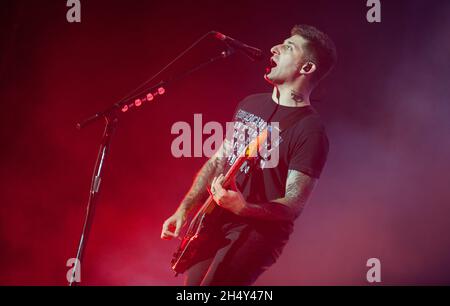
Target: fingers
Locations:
point(213, 183)
point(165, 233)
point(220, 191)
point(168, 228)
point(217, 191)
point(218, 180)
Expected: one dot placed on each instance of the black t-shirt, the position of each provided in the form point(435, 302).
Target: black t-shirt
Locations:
point(303, 146)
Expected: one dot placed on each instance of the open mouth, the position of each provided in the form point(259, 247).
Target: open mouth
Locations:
point(272, 65)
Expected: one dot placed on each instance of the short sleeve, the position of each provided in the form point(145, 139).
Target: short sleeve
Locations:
point(310, 154)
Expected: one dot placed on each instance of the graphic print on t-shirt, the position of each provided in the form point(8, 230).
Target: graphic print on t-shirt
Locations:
point(247, 127)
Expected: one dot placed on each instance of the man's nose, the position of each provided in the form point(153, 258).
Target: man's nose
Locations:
point(275, 49)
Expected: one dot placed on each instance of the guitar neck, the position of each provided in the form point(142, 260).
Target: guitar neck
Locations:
point(249, 152)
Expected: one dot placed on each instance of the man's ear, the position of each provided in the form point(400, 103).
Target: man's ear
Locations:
point(308, 68)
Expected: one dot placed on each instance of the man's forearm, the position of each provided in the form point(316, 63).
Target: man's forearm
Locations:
point(271, 211)
point(298, 189)
point(198, 192)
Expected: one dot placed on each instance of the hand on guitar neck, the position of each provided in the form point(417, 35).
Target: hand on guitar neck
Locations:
point(229, 199)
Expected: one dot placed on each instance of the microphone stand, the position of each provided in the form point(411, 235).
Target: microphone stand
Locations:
point(111, 116)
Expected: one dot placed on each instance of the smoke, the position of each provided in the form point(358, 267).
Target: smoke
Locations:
point(383, 193)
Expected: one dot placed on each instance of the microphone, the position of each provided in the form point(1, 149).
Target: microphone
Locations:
point(252, 52)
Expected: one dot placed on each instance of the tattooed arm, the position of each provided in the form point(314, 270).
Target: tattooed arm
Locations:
point(298, 188)
point(197, 193)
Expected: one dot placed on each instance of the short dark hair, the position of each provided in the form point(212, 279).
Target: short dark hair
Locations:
point(320, 49)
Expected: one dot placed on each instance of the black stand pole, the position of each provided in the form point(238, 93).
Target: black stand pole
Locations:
point(111, 117)
point(111, 125)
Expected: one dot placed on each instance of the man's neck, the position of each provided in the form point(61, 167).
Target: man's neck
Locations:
point(288, 96)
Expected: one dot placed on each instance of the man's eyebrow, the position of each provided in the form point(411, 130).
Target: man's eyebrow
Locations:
point(290, 43)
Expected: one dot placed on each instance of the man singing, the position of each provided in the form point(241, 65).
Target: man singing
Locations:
point(262, 204)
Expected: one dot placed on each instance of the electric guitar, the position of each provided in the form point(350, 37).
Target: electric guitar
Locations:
point(188, 252)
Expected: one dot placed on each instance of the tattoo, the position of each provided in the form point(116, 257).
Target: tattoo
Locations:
point(298, 188)
point(198, 193)
point(298, 97)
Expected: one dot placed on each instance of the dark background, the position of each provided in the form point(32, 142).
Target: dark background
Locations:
point(384, 192)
